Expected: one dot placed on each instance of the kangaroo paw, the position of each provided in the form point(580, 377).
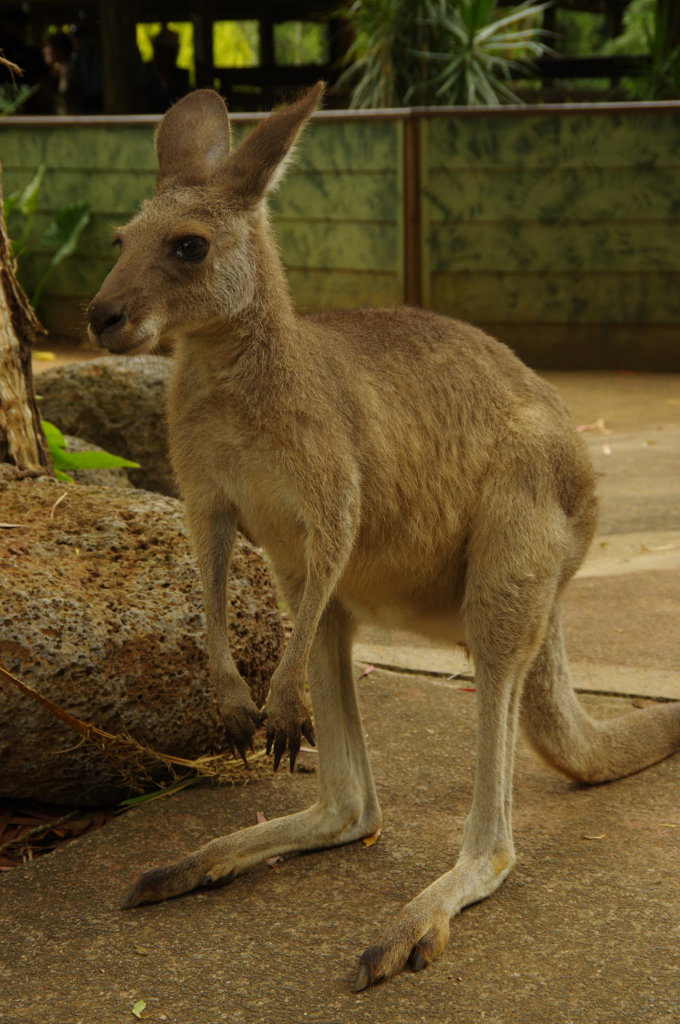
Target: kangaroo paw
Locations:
point(240, 723)
point(287, 722)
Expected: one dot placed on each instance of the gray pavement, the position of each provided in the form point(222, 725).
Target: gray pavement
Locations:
point(587, 927)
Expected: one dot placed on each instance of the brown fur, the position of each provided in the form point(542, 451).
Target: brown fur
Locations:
point(397, 466)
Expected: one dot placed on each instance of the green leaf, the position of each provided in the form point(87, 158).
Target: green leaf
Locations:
point(55, 438)
point(63, 232)
point(65, 229)
point(24, 92)
point(10, 202)
point(28, 202)
point(137, 1009)
point(434, 51)
point(61, 463)
point(96, 460)
point(158, 794)
point(63, 460)
point(60, 475)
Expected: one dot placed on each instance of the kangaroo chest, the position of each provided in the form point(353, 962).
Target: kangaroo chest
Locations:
point(216, 456)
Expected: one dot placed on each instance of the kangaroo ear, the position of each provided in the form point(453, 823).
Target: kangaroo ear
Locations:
point(193, 140)
point(259, 163)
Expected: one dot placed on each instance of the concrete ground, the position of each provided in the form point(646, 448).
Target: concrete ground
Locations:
point(587, 927)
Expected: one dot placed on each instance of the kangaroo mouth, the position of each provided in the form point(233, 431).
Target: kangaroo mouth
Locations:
point(123, 340)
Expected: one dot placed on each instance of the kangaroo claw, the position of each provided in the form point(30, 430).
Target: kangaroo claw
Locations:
point(240, 723)
point(363, 979)
point(286, 726)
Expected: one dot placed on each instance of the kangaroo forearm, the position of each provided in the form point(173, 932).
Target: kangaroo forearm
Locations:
point(214, 532)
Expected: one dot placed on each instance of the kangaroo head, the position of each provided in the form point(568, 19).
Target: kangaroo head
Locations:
point(190, 259)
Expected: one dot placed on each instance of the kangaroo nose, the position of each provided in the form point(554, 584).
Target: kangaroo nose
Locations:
point(106, 319)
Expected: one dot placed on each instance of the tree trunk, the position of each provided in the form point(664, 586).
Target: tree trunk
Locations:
point(22, 442)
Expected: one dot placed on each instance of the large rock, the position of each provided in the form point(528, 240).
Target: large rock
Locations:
point(101, 611)
point(118, 404)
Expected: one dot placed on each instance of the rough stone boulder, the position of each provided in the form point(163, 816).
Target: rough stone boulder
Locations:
point(101, 611)
point(118, 404)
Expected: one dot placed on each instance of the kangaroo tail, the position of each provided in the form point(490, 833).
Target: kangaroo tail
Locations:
point(578, 745)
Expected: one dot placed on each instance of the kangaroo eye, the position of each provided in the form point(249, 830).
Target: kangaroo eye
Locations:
point(193, 248)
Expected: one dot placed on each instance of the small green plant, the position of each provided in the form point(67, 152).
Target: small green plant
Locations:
point(13, 97)
point(26, 203)
point(64, 460)
point(650, 29)
point(662, 81)
point(62, 233)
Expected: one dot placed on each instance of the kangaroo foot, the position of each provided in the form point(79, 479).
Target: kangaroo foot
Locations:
point(421, 931)
point(417, 942)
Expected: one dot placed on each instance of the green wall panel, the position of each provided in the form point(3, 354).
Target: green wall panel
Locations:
point(342, 145)
point(570, 138)
point(552, 193)
point(94, 147)
point(345, 289)
point(539, 223)
point(542, 223)
point(559, 298)
point(337, 215)
point(345, 246)
point(532, 246)
point(338, 196)
point(350, 145)
point(117, 193)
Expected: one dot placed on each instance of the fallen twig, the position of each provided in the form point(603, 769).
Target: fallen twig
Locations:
point(10, 65)
point(135, 761)
point(59, 499)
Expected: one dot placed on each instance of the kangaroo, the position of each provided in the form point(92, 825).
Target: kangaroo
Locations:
point(398, 466)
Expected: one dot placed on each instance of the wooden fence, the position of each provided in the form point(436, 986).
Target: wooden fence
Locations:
point(555, 228)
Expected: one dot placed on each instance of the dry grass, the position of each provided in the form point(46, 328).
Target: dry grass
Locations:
point(138, 765)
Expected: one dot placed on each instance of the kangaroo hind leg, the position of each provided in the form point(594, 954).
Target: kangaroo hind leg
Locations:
point(346, 807)
point(505, 619)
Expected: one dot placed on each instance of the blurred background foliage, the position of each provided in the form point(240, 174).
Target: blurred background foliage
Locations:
point(373, 53)
point(445, 51)
point(236, 44)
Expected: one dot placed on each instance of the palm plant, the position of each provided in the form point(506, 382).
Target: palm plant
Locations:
point(380, 54)
point(662, 81)
point(460, 52)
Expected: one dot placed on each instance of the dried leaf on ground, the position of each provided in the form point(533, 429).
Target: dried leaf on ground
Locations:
point(29, 829)
point(370, 840)
point(597, 425)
